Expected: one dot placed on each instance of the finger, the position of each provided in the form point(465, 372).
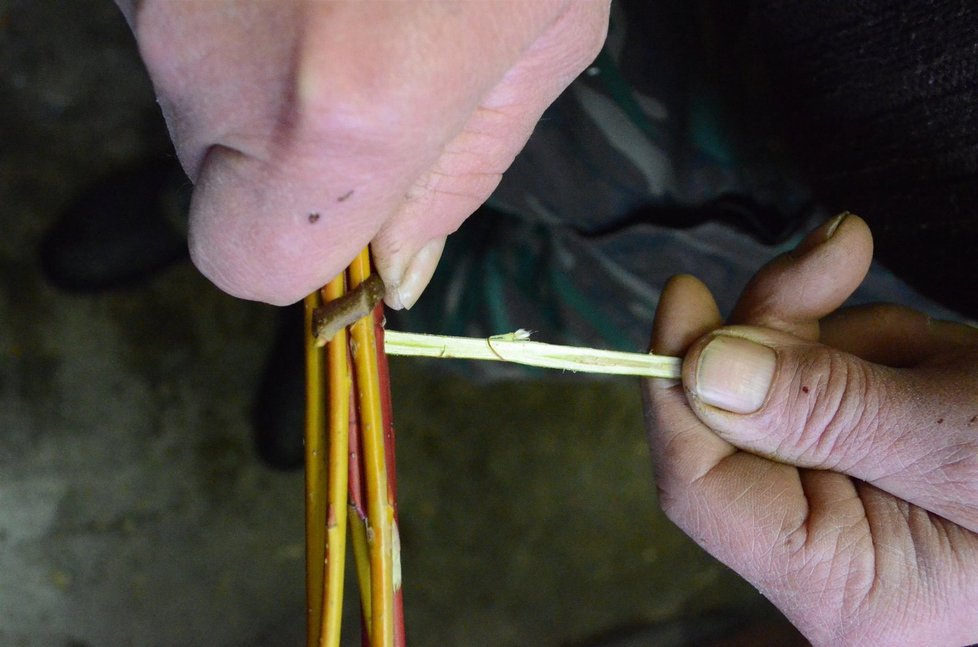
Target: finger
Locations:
point(682, 448)
point(910, 432)
point(748, 512)
point(893, 335)
point(796, 289)
point(921, 560)
point(415, 271)
point(472, 161)
point(686, 312)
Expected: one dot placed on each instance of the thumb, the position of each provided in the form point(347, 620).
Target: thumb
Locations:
point(912, 432)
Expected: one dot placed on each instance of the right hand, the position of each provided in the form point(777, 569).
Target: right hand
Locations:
point(311, 128)
point(832, 461)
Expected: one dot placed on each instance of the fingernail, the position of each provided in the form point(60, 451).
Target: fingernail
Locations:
point(416, 276)
point(734, 374)
point(820, 235)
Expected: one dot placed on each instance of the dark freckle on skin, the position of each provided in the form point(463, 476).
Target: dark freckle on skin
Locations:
point(345, 196)
point(972, 421)
point(940, 420)
point(804, 389)
point(313, 218)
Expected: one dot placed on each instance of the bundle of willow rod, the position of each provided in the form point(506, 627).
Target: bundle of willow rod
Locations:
point(350, 477)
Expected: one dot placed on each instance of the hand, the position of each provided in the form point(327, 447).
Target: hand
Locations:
point(831, 461)
point(312, 128)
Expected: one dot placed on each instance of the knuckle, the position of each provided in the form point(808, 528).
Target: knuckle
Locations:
point(953, 478)
point(834, 409)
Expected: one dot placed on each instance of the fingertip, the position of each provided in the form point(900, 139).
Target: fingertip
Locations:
point(841, 226)
point(686, 311)
point(856, 233)
point(845, 237)
point(795, 290)
point(404, 290)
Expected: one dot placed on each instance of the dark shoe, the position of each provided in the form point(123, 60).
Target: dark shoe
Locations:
point(120, 231)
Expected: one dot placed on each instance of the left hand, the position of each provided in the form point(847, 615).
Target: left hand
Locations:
point(841, 477)
point(311, 127)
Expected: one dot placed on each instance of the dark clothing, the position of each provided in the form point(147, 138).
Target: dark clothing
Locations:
point(879, 101)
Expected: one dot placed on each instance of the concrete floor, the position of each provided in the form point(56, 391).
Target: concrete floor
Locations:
point(133, 510)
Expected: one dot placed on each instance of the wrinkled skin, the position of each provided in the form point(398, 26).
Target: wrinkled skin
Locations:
point(313, 128)
point(849, 497)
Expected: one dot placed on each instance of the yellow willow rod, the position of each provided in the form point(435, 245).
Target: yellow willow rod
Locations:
point(379, 509)
point(315, 503)
point(337, 469)
point(516, 347)
point(361, 560)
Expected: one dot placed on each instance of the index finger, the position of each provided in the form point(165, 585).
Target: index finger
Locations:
point(682, 447)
